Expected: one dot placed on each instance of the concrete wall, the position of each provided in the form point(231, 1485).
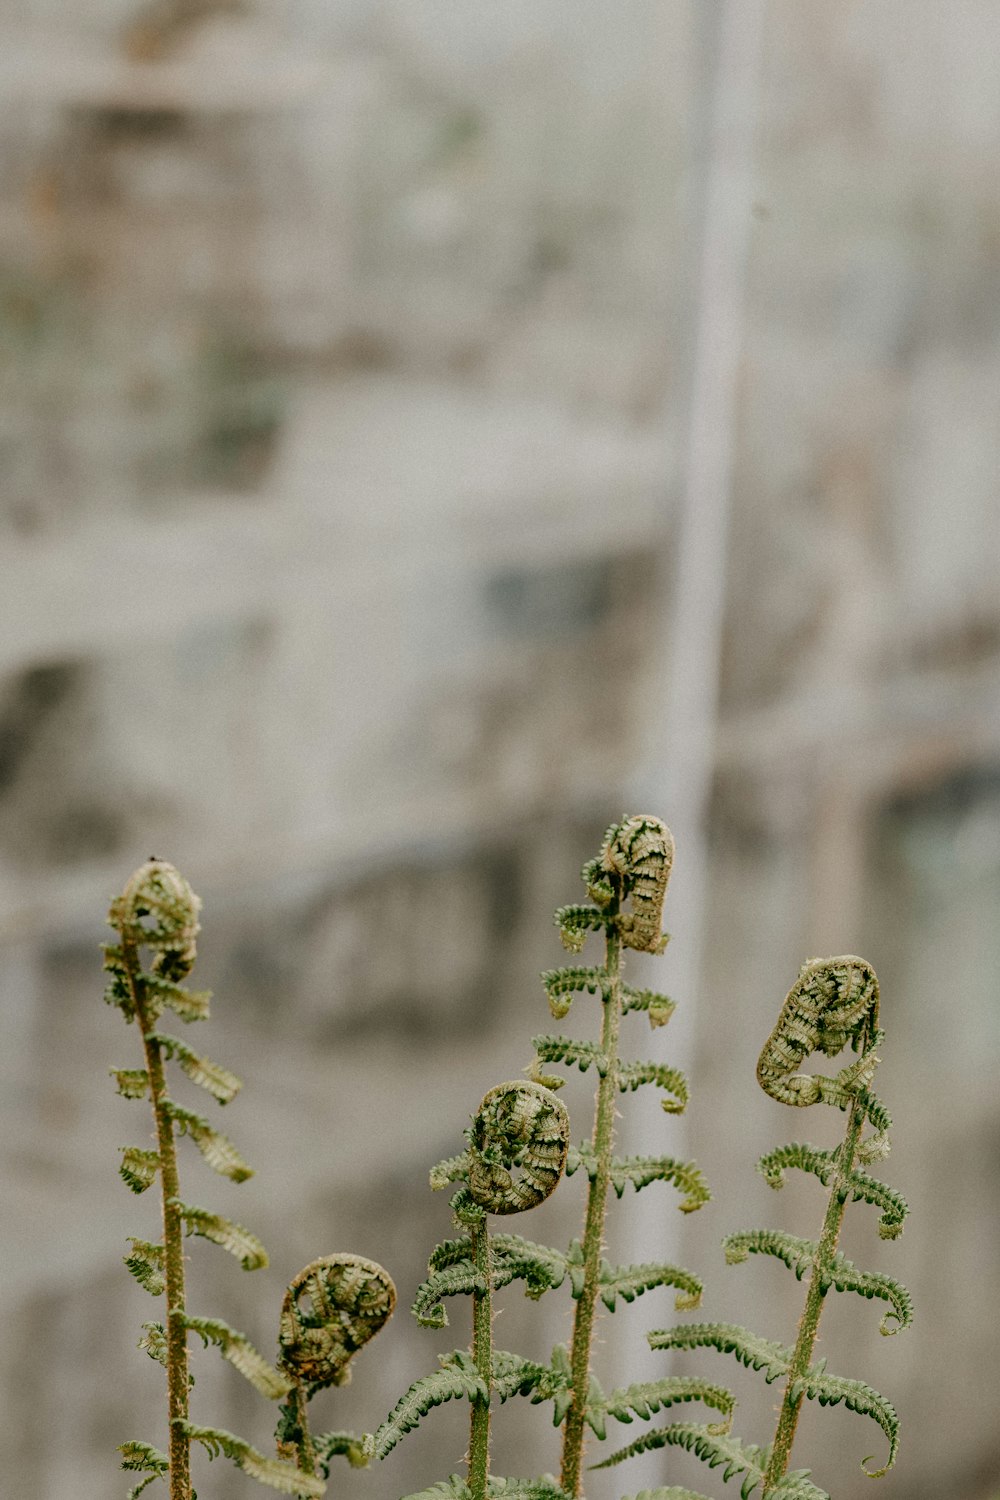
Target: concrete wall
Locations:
point(345, 374)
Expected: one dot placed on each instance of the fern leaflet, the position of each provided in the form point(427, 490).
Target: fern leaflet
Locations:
point(219, 1152)
point(242, 1355)
point(279, 1475)
point(218, 1081)
point(223, 1232)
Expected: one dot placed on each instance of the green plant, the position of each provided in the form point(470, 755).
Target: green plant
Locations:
point(627, 883)
point(158, 913)
point(834, 1002)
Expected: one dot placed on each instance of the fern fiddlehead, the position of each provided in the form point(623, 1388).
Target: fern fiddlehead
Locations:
point(627, 883)
point(833, 1003)
point(331, 1309)
point(517, 1146)
point(157, 913)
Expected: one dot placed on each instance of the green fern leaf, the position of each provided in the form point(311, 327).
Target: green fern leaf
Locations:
point(673, 1082)
point(450, 1253)
point(830, 1390)
point(132, 1083)
point(562, 984)
point(650, 1396)
point(671, 1492)
point(146, 1264)
point(452, 1488)
point(155, 1342)
point(143, 1458)
point(774, 1164)
point(749, 1348)
point(457, 1377)
point(659, 1008)
point(562, 1049)
point(242, 1355)
point(274, 1472)
point(574, 923)
point(330, 1445)
point(218, 1081)
point(892, 1205)
point(847, 1277)
point(629, 1282)
point(640, 1171)
point(795, 1485)
point(139, 1168)
point(718, 1450)
point(452, 1169)
point(187, 1005)
point(455, 1280)
point(514, 1376)
point(797, 1254)
point(232, 1237)
point(220, 1153)
point(544, 1488)
point(541, 1268)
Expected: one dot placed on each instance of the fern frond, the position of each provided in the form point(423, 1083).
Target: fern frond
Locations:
point(139, 1167)
point(650, 1396)
point(449, 1253)
point(562, 984)
point(232, 1237)
point(640, 1171)
point(671, 1492)
point(634, 1074)
point(544, 1488)
point(574, 923)
point(242, 1355)
point(330, 1445)
point(774, 1164)
point(830, 1390)
point(457, 1279)
point(541, 1268)
point(187, 1005)
point(514, 1376)
point(845, 1276)
point(659, 1008)
point(217, 1149)
point(452, 1488)
point(452, 1169)
point(796, 1253)
point(218, 1081)
point(750, 1349)
point(118, 991)
point(563, 1049)
point(893, 1206)
point(795, 1485)
point(131, 1083)
point(457, 1377)
point(143, 1458)
point(718, 1450)
point(629, 1282)
point(155, 1342)
point(274, 1472)
point(147, 1264)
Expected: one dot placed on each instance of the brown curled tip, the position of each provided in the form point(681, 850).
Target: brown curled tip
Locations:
point(330, 1311)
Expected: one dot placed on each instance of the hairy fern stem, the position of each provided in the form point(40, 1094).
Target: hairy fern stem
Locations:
point(820, 1281)
point(482, 1354)
point(597, 1198)
point(178, 1382)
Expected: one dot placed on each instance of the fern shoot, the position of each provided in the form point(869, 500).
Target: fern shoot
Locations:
point(332, 1308)
point(157, 913)
point(627, 882)
point(833, 1002)
point(516, 1153)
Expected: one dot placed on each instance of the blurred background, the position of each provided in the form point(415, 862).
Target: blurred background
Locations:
point(430, 431)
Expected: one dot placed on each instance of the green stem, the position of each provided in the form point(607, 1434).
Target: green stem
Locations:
point(819, 1283)
point(305, 1455)
point(593, 1235)
point(482, 1353)
point(173, 1246)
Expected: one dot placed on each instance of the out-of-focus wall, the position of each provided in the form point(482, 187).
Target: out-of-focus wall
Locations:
point(346, 358)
